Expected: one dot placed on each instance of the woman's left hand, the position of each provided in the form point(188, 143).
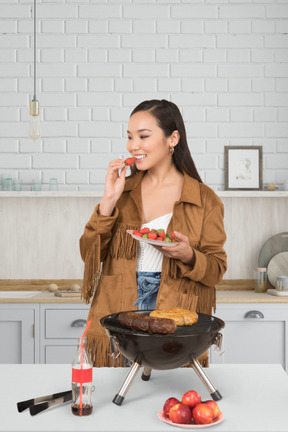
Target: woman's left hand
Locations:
point(182, 249)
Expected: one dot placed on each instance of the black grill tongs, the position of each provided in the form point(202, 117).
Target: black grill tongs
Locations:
point(41, 403)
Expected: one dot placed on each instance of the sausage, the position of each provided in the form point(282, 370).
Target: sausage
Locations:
point(146, 323)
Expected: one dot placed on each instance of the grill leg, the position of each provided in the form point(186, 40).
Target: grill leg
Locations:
point(216, 396)
point(119, 397)
point(146, 374)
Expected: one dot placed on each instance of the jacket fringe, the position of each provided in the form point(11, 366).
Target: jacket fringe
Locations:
point(123, 245)
point(203, 360)
point(206, 299)
point(92, 269)
point(101, 353)
point(191, 302)
point(197, 298)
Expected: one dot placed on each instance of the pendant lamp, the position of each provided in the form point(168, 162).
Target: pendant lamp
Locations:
point(34, 127)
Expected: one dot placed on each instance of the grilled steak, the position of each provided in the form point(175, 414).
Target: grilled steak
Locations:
point(147, 323)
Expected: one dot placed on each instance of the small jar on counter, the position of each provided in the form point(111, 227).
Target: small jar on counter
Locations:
point(282, 283)
point(260, 279)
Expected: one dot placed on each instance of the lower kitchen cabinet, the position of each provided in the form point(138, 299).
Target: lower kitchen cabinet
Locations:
point(48, 332)
point(19, 324)
point(60, 327)
point(254, 333)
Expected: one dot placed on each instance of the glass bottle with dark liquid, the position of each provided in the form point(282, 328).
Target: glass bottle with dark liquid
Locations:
point(86, 409)
point(82, 385)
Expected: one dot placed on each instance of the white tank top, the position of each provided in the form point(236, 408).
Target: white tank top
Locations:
point(150, 259)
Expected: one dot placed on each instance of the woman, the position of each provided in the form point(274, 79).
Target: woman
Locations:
point(163, 191)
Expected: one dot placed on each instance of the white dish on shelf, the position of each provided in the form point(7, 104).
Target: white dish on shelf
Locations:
point(276, 292)
point(274, 245)
point(278, 265)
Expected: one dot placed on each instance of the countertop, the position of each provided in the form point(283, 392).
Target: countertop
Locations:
point(44, 297)
point(247, 296)
point(234, 291)
point(236, 296)
point(255, 398)
point(38, 286)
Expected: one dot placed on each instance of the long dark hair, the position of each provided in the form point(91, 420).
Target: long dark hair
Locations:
point(169, 119)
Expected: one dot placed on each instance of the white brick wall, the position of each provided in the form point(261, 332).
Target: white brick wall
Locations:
point(225, 63)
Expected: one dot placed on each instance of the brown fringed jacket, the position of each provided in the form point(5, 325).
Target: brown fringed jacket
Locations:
point(198, 214)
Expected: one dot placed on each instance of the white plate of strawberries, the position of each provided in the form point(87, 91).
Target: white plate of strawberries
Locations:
point(154, 237)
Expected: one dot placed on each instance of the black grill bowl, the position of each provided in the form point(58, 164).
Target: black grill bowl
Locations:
point(158, 351)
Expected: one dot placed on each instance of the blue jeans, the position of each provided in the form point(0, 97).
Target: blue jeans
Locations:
point(148, 284)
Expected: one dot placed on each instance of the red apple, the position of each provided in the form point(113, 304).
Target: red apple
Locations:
point(169, 403)
point(180, 414)
point(202, 414)
point(191, 398)
point(215, 408)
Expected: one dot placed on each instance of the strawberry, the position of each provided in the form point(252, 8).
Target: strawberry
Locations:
point(129, 161)
point(153, 231)
point(171, 235)
point(144, 230)
point(167, 240)
point(137, 233)
point(145, 236)
point(161, 233)
point(159, 239)
point(152, 235)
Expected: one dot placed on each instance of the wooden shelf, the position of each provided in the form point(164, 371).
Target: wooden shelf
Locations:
point(56, 194)
point(252, 194)
point(98, 194)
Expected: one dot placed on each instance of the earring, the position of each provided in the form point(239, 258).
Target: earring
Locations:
point(171, 150)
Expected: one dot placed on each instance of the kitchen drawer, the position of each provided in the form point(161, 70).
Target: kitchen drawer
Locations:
point(254, 333)
point(64, 354)
point(65, 324)
point(249, 312)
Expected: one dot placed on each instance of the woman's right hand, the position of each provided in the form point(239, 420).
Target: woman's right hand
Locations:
point(114, 186)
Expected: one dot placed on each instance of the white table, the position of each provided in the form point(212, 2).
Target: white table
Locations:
point(255, 398)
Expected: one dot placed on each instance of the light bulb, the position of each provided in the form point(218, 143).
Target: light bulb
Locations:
point(34, 127)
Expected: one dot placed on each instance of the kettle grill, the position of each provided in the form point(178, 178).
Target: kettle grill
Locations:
point(163, 351)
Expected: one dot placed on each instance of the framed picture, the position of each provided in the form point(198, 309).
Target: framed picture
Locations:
point(243, 168)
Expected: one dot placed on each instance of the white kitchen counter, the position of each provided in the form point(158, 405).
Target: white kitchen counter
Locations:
point(247, 296)
point(255, 398)
point(225, 296)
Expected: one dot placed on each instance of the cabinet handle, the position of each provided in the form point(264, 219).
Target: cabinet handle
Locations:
point(78, 323)
point(254, 314)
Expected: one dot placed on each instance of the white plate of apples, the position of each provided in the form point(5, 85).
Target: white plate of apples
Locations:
point(190, 412)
